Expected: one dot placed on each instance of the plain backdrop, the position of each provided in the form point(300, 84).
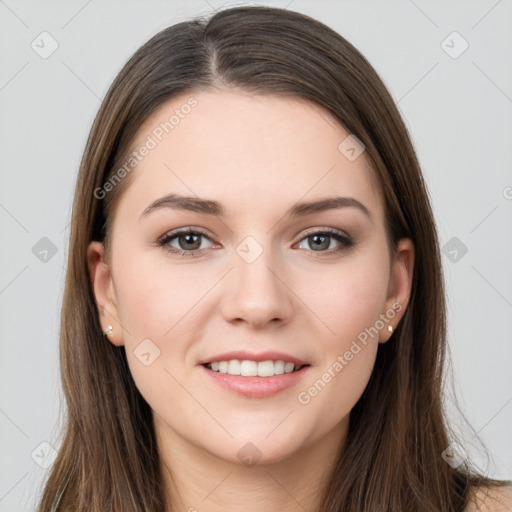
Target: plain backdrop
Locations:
point(447, 64)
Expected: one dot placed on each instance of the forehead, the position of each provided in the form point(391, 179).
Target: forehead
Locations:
point(247, 150)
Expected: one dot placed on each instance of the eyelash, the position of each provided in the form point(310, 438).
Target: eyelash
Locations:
point(163, 242)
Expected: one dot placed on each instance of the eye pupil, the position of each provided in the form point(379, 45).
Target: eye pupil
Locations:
point(316, 237)
point(187, 239)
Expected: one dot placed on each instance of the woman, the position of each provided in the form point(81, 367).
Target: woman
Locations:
point(254, 311)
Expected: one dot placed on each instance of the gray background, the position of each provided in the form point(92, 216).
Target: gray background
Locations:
point(457, 109)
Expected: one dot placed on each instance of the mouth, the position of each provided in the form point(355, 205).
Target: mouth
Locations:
point(250, 368)
point(255, 375)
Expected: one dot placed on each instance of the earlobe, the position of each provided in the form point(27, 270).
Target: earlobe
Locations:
point(399, 290)
point(104, 293)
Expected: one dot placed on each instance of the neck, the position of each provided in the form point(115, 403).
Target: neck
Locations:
point(196, 480)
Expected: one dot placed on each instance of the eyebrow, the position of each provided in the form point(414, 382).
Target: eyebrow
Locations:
point(210, 207)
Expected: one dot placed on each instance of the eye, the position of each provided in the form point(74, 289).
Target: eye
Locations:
point(319, 240)
point(188, 242)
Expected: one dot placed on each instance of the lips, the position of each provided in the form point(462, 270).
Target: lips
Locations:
point(255, 375)
point(256, 387)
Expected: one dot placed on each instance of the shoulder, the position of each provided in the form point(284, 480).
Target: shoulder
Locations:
point(491, 499)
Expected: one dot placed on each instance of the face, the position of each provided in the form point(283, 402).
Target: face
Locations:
point(257, 274)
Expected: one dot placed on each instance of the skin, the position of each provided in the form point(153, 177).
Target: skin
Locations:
point(257, 155)
point(491, 499)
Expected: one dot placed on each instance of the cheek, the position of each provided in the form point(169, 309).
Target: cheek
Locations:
point(329, 397)
point(348, 352)
point(153, 308)
point(349, 301)
point(152, 305)
point(154, 297)
point(350, 307)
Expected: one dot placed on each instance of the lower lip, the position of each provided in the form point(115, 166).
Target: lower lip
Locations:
point(256, 387)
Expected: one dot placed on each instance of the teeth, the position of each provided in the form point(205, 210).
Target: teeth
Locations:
point(279, 367)
point(288, 367)
point(234, 367)
point(266, 369)
point(249, 368)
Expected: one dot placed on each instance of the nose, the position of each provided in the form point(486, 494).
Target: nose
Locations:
point(257, 293)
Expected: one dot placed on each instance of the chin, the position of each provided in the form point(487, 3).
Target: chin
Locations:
point(259, 448)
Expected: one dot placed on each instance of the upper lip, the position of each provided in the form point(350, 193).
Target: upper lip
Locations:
point(241, 355)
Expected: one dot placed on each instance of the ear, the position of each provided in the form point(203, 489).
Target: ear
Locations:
point(399, 289)
point(104, 292)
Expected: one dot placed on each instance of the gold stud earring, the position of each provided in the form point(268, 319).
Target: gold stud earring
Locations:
point(108, 331)
point(390, 329)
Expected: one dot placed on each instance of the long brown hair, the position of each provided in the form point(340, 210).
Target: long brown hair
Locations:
point(108, 459)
